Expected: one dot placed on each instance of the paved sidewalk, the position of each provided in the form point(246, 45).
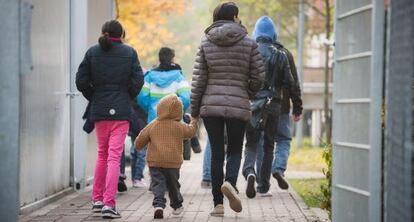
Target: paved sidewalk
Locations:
point(304, 175)
point(135, 204)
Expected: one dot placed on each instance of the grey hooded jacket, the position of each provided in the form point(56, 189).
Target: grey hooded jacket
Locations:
point(228, 71)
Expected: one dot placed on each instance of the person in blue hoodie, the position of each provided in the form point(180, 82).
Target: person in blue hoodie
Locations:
point(284, 135)
point(159, 82)
point(278, 78)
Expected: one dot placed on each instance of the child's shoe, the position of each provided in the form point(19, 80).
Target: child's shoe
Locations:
point(139, 183)
point(122, 187)
point(196, 149)
point(110, 213)
point(218, 211)
point(158, 213)
point(97, 208)
point(178, 211)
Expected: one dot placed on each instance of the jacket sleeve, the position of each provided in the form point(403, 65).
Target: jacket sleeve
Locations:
point(143, 98)
point(296, 96)
point(289, 82)
point(183, 92)
point(199, 82)
point(137, 77)
point(189, 130)
point(143, 138)
point(257, 71)
point(83, 77)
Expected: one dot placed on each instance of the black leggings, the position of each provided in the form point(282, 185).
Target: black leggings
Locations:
point(235, 133)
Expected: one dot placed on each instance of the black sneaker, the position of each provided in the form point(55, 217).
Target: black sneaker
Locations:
point(283, 184)
point(158, 213)
point(110, 213)
point(122, 187)
point(196, 149)
point(206, 184)
point(97, 208)
point(250, 189)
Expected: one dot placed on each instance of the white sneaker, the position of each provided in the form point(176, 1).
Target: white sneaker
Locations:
point(139, 183)
point(267, 194)
point(178, 211)
point(97, 208)
point(218, 211)
point(234, 200)
point(110, 213)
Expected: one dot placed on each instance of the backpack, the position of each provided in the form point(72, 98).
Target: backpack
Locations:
point(260, 105)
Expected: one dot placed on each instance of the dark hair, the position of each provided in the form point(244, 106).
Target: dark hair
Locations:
point(225, 11)
point(111, 29)
point(166, 55)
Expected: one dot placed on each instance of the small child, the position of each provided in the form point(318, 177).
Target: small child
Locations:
point(164, 137)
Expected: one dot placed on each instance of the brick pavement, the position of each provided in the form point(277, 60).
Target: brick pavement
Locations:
point(135, 205)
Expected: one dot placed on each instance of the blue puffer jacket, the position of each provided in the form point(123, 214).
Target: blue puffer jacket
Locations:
point(159, 84)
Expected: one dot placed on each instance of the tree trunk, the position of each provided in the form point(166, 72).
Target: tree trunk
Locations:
point(117, 9)
point(326, 91)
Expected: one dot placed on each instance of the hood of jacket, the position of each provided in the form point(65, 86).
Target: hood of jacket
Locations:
point(163, 78)
point(225, 33)
point(170, 108)
point(265, 28)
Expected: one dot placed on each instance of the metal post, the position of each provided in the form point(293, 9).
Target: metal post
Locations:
point(375, 132)
point(78, 46)
point(301, 36)
point(9, 110)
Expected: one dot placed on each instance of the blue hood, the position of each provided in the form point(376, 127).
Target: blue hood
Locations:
point(265, 28)
point(163, 78)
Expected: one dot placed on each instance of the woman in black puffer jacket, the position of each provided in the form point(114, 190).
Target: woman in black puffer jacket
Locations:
point(109, 76)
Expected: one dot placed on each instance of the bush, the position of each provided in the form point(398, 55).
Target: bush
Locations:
point(326, 188)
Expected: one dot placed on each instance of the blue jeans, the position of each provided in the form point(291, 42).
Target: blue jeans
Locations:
point(282, 149)
point(207, 162)
point(137, 162)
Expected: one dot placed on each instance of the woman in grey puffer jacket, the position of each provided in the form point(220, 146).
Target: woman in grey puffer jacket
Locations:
point(228, 72)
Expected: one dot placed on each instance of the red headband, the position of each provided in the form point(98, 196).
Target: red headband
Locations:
point(115, 39)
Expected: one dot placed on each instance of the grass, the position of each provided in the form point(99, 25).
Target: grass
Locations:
point(309, 190)
point(307, 158)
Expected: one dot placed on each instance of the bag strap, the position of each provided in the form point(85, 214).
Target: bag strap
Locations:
point(271, 63)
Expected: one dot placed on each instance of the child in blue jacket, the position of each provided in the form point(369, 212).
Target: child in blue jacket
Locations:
point(166, 79)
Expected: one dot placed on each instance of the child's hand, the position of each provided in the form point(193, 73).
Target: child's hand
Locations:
point(194, 120)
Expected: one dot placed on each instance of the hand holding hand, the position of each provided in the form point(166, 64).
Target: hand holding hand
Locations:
point(194, 120)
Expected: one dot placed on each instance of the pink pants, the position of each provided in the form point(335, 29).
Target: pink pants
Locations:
point(111, 137)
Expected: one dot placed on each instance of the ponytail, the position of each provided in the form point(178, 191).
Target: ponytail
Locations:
point(105, 42)
point(110, 30)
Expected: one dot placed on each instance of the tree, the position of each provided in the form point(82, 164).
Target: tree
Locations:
point(145, 21)
point(324, 10)
point(327, 112)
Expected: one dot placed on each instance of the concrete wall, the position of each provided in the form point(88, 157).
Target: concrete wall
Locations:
point(357, 98)
point(9, 118)
point(54, 151)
